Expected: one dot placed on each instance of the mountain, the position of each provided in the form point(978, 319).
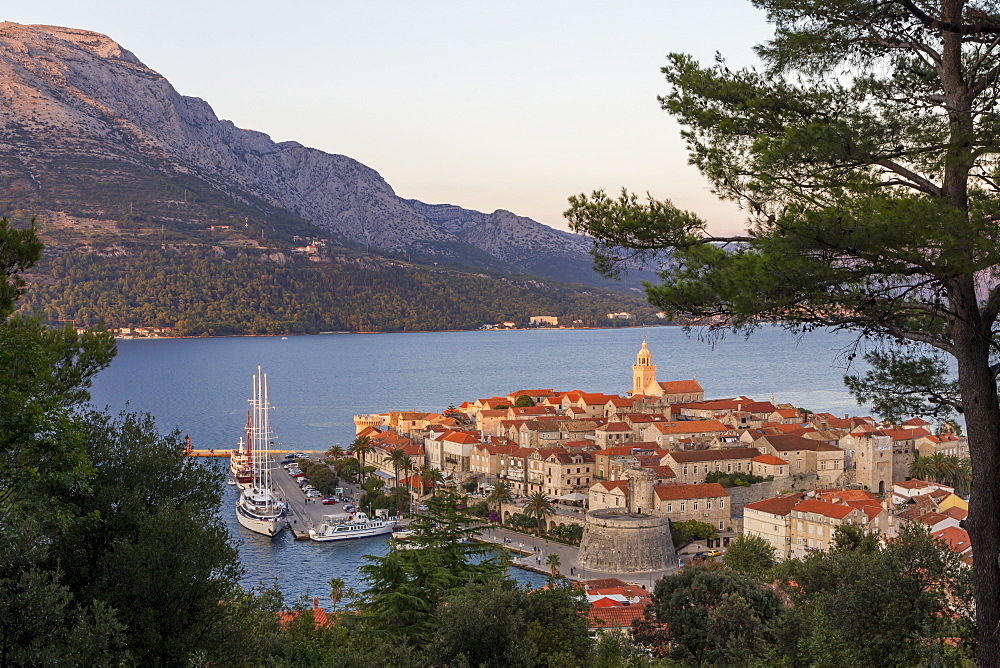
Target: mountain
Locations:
point(97, 142)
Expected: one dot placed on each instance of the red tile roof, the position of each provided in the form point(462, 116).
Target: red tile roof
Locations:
point(672, 492)
point(714, 455)
point(957, 539)
point(778, 505)
point(770, 459)
point(789, 442)
point(681, 386)
point(835, 510)
point(614, 618)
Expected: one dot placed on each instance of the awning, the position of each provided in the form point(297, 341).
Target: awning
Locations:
point(387, 476)
point(573, 496)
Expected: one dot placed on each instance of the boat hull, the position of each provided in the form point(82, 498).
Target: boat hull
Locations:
point(266, 526)
point(351, 534)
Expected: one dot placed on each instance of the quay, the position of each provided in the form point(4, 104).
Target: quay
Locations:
point(224, 452)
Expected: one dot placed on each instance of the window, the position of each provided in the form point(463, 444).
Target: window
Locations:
point(670, 507)
point(683, 507)
point(739, 466)
point(685, 470)
point(822, 466)
point(696, 505)
point(708, 505)
point(720, 525)
point(729, 467)
point(722, 504)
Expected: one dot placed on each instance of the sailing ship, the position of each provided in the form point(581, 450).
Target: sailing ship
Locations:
point(357, 525)
point(257, 509)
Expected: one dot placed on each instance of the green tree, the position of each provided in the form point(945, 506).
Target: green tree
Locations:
point(896, 604)
point(749, 555)
point(405, 587)
point(553, 562)
point(500, 495)
point(19, 250)
point(362, 446)
point(864, 152)
point(398, 459)
point(711, 615)
point(524, 401)
point(539, 508)
point(483, 625)
point(335, 452)
point(689, 530)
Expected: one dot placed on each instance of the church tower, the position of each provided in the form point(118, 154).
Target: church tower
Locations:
point(644, 371)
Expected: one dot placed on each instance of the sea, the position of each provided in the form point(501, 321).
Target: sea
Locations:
point(318, 383)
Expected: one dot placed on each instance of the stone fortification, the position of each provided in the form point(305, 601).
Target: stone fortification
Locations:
point(630, 540)
point(801, 482)
point(619, 542)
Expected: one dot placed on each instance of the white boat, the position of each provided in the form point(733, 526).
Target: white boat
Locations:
point(257, 509)
point(356, 525)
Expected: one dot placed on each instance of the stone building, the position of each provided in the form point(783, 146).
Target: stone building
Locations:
point(633, 539)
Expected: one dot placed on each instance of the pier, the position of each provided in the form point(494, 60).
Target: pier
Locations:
point(224, 452)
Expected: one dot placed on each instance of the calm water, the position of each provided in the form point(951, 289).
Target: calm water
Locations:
point(318, 383)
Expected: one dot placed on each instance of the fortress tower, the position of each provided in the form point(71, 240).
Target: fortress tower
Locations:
point(634, 539)
point(643, 371)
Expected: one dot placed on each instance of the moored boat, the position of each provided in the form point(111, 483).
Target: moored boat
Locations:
point(257, 508)
point(356, 525)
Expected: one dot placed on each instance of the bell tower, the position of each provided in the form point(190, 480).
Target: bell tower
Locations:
point(644, 371)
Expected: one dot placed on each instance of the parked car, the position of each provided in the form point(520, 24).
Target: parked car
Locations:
point(297, 474)
point(422, 506)
point(301, 455)
point(329, 500)
point(314, 494)
point(714, 553)
point(348, 508)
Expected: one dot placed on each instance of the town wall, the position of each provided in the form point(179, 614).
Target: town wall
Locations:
point(622, 543)
point(741, 496)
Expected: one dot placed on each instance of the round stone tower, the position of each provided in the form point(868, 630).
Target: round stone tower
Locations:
point(634, 539)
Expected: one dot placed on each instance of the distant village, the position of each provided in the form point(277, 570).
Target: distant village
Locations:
point(799, 474)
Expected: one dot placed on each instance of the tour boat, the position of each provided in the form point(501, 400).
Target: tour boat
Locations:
point(356, 525)
point(257, 509)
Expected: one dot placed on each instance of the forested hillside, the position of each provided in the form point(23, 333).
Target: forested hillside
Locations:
point(204, 291)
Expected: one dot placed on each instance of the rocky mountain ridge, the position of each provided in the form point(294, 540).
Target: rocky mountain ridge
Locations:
point(87, 129)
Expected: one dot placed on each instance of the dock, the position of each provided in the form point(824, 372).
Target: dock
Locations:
point(224, 452)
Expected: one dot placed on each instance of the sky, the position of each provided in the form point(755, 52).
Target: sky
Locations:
point(512, 105)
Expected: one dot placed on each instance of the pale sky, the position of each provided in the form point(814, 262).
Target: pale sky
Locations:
point(488, 105)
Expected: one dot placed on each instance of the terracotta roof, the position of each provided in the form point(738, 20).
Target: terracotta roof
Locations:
point(770, 459)
point(789, 442)
point(758, 407)
point(663, 471)
point(681, 386)
point(690, 427)
point(713, 455)
point(957, 539)
point(778, 505)
point(611, 485)
point(835, 510)
point(616, 427)
point(710, 490)
point(956, 512)
point(622, 450)
point(616, 617)
point(933, 518)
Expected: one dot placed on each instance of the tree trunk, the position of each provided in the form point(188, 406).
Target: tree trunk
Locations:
point(982, 416)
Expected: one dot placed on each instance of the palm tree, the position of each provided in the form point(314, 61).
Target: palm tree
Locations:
point(921, 468)
point(538, 507)
point(553, 563)
point(361, 447)
point(406, 463)
point(433, 477)
point(396, 456)
point(336, 591)
point(336, 452)
point(500, 495)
